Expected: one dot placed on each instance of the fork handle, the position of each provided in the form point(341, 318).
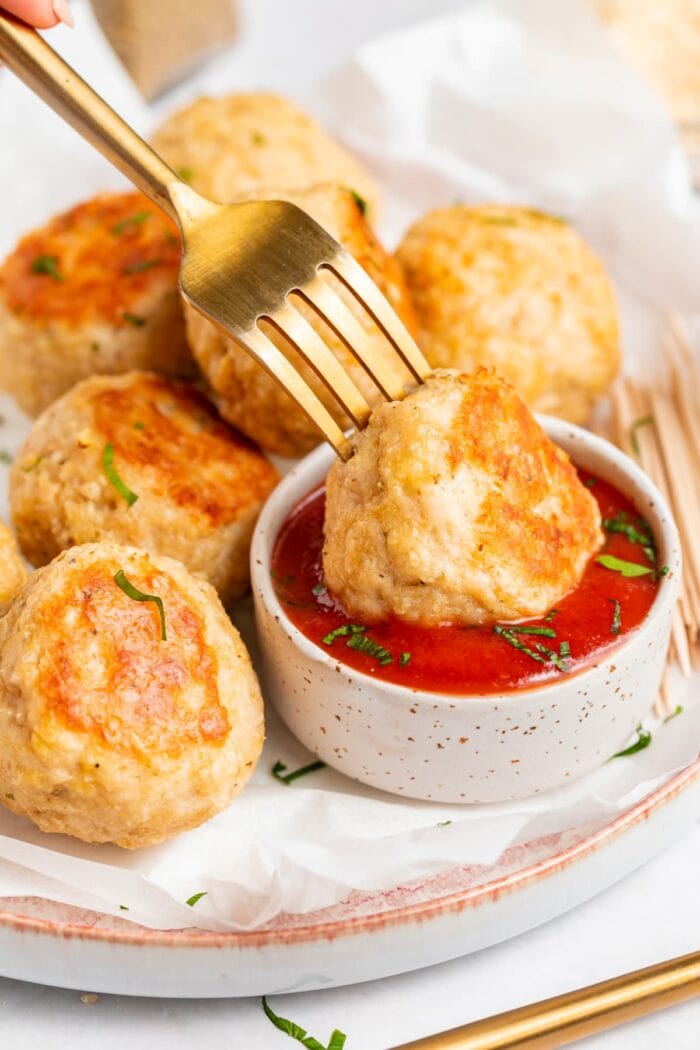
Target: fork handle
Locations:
point(37, 64)
point(575, 1015)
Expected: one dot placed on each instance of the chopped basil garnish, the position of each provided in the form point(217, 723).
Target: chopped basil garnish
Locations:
point(139, 426)
point(550, 615)
point(133, 220)
point(359, 641)
point(545, 632)
point(547, 216)
point(674, 714)
point(362, 644)
point(359, 201)
point(404, 659)
point(643, 740)
point(590, 483)
point(278, 771)
point(625, 568)
point(134, 319)
point(508, 636)
point(141, 267)
point(617, 616)
point(643, 421)
point(340, 632)
point(664, 570)
point(195, 897)
point(47, 264)
point(558, 659)
point(644, 538)
point(138, 596)
point(295, 1031)
point(29, 467)
point(318, 588)
point(540, 653)
point(113, 477)
point(123, 907)
point(499, 220)
point(443, 823)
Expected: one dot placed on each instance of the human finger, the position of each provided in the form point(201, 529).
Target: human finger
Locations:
point(40, 13)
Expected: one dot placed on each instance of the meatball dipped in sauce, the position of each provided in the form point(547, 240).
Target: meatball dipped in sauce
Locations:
point(460, 550)
point(456, 508)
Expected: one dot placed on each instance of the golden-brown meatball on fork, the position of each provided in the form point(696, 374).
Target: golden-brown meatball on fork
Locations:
point(456, 508)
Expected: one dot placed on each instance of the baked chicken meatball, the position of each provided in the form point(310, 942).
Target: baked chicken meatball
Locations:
point(93, 291)
point(123, 720)
point(244, 392)
point(456, 508)
point(142, 460)
point(13, 572)
point(663, 42)
point(235, 144)
point(518, 290)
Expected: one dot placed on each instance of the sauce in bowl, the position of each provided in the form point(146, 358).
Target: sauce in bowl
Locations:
point(491, 658)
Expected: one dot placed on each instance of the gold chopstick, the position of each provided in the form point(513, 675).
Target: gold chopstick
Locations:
point(565, 1018)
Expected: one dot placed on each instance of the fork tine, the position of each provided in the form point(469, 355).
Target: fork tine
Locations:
point(391, 381)
point(294, 327)
point(276, 364)
point(356, 280)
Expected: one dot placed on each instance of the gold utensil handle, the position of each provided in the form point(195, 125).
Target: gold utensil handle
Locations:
point(44, 71)
point(565, 1018)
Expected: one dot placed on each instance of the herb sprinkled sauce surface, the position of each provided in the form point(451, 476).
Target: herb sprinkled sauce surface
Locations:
point(607, 604)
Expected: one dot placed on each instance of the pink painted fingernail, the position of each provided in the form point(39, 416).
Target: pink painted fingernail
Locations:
point(63, 12)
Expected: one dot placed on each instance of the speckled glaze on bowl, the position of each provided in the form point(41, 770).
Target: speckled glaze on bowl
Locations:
point(474, 748)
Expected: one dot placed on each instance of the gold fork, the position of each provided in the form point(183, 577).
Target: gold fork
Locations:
point(242, 263)
point(565, 1019)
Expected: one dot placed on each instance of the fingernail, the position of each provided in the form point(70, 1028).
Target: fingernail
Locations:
point(63, 12)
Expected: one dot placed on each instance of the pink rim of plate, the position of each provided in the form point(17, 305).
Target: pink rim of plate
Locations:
point(420, 911)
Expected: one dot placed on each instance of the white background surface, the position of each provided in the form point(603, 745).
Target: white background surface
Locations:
point(652, 915)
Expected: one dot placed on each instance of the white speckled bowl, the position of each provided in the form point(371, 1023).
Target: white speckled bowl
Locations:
point(473, 748)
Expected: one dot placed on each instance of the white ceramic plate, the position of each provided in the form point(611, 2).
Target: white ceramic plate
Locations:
point(368, 937)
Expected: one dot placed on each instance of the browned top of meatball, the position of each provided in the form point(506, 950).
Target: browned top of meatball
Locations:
point(496, 434)
point(172, 434)
point(456, 508)
point(94, 261)
point(106, 670)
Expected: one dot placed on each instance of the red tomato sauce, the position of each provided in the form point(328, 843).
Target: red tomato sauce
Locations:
point(471, 660)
